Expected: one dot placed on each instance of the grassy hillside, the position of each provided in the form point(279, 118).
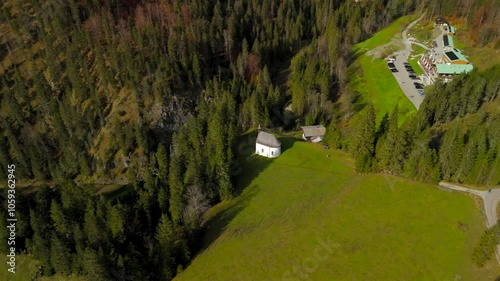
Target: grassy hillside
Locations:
point(375, 226)
point(369, 77)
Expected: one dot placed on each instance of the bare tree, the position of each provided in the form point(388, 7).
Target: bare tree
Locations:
point(196, 204)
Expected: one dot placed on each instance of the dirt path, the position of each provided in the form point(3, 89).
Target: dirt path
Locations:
point(419, 44)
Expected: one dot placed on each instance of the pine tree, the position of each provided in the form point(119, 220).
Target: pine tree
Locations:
point(94, 266)
point(383, 126)
point(422, 163)
point(264, 81)
point(176, 187)
point(333, 136)
point(196, 68)
point(116, 222)
point(162, 159)
point(42, 229)
point(92, 228)
point(362, 146)
point(166, 252)
point(364, 138)
point(224, 178)
point(450, 151)
point(385, 155)
point(470, 154)
point(60, 222)
point(60, 255)
point(493, 174)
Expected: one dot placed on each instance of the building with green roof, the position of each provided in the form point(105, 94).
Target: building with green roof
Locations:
point(448, 69)
point(448, 41)
point(451, 30)
point(454, 56)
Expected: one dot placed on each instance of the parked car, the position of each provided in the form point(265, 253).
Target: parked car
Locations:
point(394, 70)
point(391, 65)
point(421, 92)
point(418, 85)
point(406, 64)
point(412, 76)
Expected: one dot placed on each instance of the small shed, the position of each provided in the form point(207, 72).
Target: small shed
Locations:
point(313, 133)
point(267, 145)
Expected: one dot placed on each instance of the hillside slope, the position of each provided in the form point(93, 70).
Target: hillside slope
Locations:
point(379, 226)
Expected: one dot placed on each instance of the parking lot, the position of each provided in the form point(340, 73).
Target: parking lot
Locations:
point(403, 75)
point(406, 83)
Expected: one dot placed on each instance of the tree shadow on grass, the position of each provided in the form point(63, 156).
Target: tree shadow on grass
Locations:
point(287, 143)
point(353, 55)
point(215, 226)
point(249, 167)
point(353, 94)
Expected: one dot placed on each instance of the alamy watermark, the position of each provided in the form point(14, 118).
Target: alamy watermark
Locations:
point(11, 217)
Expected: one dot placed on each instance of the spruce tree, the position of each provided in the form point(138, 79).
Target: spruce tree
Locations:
point(450, 151)
point(333, 136)
point(165, 239)
point(385, 155)
point(60, 256)
point(363, 144)
point(364, 133)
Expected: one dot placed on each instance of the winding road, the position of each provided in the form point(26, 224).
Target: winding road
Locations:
point(405, 36)
point(419, 44)
point(490, 199)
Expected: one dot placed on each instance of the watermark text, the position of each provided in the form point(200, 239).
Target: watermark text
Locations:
point(11, 217)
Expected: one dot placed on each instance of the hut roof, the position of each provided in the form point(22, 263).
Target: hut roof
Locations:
point(268, 139)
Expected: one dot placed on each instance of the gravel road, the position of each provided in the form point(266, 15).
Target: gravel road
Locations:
point(491, 198)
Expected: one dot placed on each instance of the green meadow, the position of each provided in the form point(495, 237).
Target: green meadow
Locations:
point(307, 216)
point(416, 52)
point(369, 76)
